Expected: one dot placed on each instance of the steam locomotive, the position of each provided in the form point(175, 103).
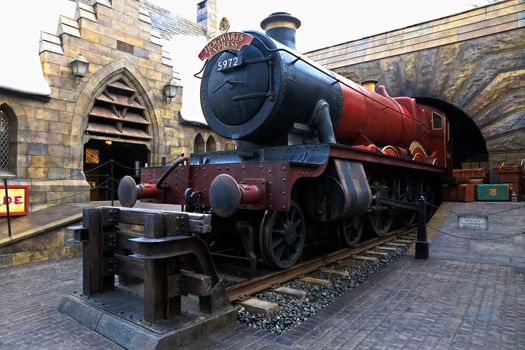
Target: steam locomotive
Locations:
point(316, 153)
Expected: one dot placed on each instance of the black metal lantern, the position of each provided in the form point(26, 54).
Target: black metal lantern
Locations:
point(79, 67)
point(171, 89)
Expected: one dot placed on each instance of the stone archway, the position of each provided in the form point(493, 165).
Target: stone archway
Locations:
point(211, 144)
point(119, 75)
point(198, 144)
point(124, 69)
point(482, 77)
point(117, 135)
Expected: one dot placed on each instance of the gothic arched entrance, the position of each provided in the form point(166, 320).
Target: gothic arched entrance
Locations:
point(118, 140)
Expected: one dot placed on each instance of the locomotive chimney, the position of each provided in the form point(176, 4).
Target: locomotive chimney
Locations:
point(281, 26)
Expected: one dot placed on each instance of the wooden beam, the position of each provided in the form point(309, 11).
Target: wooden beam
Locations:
point(317, 281)
point(291, 292)
point(155, 274)
point(130, 266)
point(196, 283)
point(92, 252)
point(259, 306)
point(338, 273)
point(364, 257)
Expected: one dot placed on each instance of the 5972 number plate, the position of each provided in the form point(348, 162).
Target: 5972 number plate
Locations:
point(229, 63)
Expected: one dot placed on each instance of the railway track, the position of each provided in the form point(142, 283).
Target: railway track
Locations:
point(342, 262)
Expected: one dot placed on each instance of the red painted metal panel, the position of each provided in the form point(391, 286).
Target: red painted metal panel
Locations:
point(278, 177)
point(380, 118)
point(346, 152)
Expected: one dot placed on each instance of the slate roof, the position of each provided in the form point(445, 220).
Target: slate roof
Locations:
point(169, 24)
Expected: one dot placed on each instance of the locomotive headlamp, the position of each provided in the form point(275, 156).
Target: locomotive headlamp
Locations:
point(79, 67)
point(170, 90)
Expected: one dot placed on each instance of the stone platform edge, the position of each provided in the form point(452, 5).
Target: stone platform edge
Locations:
point(133, 336)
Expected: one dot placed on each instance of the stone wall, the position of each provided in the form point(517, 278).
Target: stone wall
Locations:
point(117, 39)
point(473, 60)
point(55, 243)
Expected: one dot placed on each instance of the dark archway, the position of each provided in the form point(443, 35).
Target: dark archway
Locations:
point(198, 144)
point(211, 144)
point(8, 140)
point(468, 144)
point(98, 165)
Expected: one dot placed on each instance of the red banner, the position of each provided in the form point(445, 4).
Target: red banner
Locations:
point(226, 41)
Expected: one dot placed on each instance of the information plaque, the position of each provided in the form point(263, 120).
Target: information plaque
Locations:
point(473, 222)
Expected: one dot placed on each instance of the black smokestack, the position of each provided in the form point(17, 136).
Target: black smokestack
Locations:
point(281, 26)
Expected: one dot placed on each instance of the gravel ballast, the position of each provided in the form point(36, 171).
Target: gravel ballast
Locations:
point(293, 312)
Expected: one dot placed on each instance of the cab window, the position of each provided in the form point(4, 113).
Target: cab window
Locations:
point(437, 121)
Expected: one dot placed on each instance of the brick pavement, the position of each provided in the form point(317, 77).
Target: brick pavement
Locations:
point(450, 301)
point(29, 296)
point(433, 304)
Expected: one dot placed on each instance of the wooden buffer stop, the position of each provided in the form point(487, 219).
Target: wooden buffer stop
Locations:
point(168, 289)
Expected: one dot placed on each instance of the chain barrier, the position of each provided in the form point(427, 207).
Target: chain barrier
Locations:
point(122, 166)
point(494, 213)
point(505, 236)
point(479, 213)
point(98, 166)
point(103, 185)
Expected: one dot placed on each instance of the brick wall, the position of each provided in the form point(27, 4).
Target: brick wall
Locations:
point(116, 37)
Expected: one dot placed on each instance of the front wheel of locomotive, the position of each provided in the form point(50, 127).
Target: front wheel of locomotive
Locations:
point(408, 217)
point(381, 220)
point(350, 231)
point(282, 236)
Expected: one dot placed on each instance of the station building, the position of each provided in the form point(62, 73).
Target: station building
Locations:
point(58, 130)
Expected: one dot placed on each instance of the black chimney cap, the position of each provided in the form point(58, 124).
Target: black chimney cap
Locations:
point(280, 17)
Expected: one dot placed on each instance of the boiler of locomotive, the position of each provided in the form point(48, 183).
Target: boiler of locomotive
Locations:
point(256, 89)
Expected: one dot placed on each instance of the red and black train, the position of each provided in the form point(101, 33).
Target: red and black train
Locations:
point(316, 153)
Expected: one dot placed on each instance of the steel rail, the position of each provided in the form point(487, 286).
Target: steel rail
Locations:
point(258, 284)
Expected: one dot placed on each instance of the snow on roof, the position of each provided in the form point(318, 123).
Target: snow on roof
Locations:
point(21, 70)
point(20, 67)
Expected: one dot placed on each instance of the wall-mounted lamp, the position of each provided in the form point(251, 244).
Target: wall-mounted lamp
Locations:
point(109, 142)
point(170, 90)
point(79, 67)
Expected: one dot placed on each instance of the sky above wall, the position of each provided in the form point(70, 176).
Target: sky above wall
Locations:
point(329, 22)
point(324, 23)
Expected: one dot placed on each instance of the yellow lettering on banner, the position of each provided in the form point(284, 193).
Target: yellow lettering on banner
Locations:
point(227, 41)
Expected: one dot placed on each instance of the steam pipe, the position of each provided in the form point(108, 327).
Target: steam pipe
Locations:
point(322, 122)
point(170, 170)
